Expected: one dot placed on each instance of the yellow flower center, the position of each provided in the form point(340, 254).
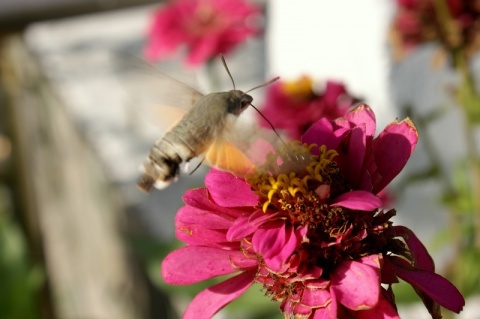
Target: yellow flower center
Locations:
point(292, 175)
point(299, 89)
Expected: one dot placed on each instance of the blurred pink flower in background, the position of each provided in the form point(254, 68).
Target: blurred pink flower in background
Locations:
point(294, 106)
point(308, 226)
point(206, 28)
point(455, 23)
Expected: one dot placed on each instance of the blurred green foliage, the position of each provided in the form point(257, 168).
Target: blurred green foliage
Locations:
point(20, 279)
point(463, 270)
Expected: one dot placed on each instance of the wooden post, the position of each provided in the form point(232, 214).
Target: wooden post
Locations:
point(72, 212)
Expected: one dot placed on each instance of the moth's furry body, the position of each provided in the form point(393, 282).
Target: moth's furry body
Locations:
point(206, 121)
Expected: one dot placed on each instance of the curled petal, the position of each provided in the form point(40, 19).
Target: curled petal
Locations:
point(269, 240)
point(275, 242)
point(248, 224)
point(293, 239)
point(192, 264)
point(358, 200)
point(434, 286)
point(211, 300)
point(356, 285)
point(227, 190)
point(392, 149)
point(422, 258)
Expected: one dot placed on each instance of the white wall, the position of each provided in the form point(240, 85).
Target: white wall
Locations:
point(341, 39)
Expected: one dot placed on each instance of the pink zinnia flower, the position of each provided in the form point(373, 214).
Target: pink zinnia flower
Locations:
point(294, 106)
point(307, 226)
point(206, 27)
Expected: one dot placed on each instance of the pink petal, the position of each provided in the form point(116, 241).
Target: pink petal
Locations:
point(227, 190)
point(195, 235)
point(316, 297)
point(213, 299)
point(202, 228)
point(199, 199)
point(269, 240)
point(192, 264)
point(247, 225)
point(286, 306)
point(354, 155)
point(188, 215)
point(202, 50)
point(356, 285)
point(363, 115)
point(422, 258)
point(322, 133)
point(369, 174)
point(278, 260)
point(244, 262)
point(302, 311)
point(333, 90)
point(358, 200)
point(434, 286)
point(163, 40)
point(328, 312)
point(317, 283)
point(392, 149)
point(382, 310)
point(372, 260)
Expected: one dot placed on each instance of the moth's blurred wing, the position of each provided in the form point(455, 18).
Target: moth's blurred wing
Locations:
point(162, 98)
point(241, 147)
point(228, 157)
point(164, 117)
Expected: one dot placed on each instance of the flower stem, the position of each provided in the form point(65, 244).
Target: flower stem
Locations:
point(468, 98)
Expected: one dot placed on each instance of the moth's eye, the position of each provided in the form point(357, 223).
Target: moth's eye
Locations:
point(246, 100)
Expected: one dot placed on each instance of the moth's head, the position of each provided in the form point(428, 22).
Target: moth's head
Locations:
point(238, 101)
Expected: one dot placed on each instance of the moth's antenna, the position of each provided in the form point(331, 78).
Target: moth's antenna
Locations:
point(269, 123)
point(228, 71)
point(264, 84)
point(256, 87)
point(261, 114)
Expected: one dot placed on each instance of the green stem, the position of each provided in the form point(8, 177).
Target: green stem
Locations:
point(467, 98)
